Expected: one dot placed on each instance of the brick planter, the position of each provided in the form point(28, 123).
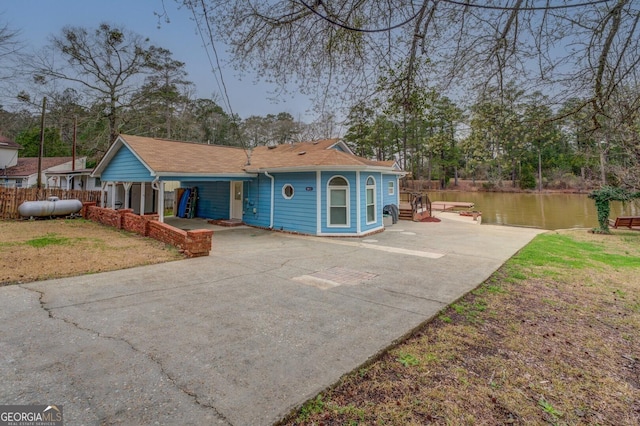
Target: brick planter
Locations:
point(193, 243)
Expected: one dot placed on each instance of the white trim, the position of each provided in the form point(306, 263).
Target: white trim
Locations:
point(273, 183)
point(103, 186)
point(143, 196)
point(232, 199)
point(329, 168)
point(347, 201)
point(238, 176)
point(358, 208)
point(350, 234)
point(393, 187)
point(318, 202)
point(161, 202)
point(112, 151)
point(293, 191)
point(366, 204)
point(114, 189)
point(127, 187)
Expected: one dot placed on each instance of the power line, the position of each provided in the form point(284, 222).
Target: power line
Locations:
point(221, 84)
point(526, 8)
point(360, 30)
point(454, 2)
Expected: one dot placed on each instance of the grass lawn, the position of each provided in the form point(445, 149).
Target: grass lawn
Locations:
point(553, 337)
point(32, 250)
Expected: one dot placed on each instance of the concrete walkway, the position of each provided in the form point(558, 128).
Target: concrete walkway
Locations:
point(240, 337)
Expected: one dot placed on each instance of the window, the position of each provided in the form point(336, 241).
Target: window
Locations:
point(338, 202)
point(18, 183)
point(97, 182)
point(287, 191)
point(392, 188)
point(371, 200)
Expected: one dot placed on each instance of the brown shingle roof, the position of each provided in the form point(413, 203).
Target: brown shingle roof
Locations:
point(29, 165)
point(166, 156)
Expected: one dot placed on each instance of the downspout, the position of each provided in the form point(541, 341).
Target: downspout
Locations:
point(273, 183)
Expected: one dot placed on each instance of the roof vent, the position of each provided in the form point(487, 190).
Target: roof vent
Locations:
point(272, 146)
point(302, 152)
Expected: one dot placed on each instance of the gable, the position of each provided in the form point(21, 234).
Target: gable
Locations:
point(125, 166)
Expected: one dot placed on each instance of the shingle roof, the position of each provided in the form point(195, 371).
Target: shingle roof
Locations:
point(29, 165)
point(8, 143)
point(166, 156)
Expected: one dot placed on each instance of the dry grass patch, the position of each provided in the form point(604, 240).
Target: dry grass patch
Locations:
point(553, 337)
point(43, 249)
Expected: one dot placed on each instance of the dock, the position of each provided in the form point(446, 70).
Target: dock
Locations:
point(448, 205)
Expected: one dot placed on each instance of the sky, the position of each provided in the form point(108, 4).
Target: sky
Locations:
point(37, 20)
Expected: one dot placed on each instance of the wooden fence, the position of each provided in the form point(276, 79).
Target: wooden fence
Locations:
point(11, 198)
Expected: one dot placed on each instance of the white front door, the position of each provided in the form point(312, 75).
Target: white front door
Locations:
point(236, 200)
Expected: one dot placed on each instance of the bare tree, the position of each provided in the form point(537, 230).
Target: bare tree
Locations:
point(344, 47)
point(107, 63)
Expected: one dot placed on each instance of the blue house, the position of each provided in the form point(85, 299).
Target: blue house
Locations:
point(315, 188)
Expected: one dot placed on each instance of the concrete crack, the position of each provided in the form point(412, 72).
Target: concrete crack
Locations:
point(149, 356)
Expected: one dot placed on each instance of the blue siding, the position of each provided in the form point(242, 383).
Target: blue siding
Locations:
point(125, 167)
point(390, 199)
point(213, 199)
point(377, 177)
point(297, 214)
point(257, 194)
point(351, 178)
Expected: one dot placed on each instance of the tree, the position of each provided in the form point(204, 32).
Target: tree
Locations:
point(10, 45)
point(468, 43)
point(53, 144)
point(106, 63)
point(164, 93)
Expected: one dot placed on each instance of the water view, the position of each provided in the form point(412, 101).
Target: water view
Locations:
point(547, 211)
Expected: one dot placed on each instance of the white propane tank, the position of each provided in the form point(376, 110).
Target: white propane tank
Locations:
point(52, 207)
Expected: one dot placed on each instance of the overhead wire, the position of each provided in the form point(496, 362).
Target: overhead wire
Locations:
point(454, 2)
point(222, 87)
point(361, 30)
point(525, 8)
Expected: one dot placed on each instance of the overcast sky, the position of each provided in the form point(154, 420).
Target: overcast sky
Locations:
point(38, 19)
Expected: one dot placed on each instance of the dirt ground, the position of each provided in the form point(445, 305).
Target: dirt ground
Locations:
point(32, 250)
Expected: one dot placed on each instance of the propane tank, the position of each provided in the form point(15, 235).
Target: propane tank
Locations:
point(52, 207)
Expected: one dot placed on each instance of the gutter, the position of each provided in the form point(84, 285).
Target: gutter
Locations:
point(272, 198)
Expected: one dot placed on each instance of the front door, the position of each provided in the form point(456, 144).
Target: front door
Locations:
point(236, 200)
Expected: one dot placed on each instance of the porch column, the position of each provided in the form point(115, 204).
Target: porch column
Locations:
point(113, 195)
point(127, 187)
point(143, 187)
point(161, 201)
point(104, 194)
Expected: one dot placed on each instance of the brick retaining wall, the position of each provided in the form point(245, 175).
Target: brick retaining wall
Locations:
point(193, 243)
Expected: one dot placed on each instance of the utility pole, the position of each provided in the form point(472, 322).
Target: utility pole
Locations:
point(41, 151)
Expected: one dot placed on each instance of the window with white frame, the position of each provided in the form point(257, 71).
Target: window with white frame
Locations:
point(371, 200)
point(287, 191)
point(391, 188)
point(338, 196)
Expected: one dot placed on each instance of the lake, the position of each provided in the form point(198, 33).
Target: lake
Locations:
point(546, 211)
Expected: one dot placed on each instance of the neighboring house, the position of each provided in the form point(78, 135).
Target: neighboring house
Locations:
point(317, 188)
point(8, 153)
point(56, 172)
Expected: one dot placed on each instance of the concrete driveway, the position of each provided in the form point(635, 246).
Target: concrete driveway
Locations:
point(240, 337)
